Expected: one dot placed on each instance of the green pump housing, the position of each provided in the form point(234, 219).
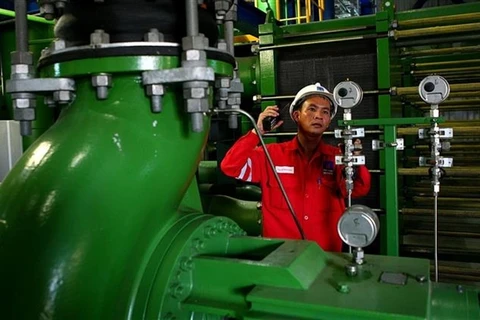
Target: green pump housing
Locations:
point(103, 219)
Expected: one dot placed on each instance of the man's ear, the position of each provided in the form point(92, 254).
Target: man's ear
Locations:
point(295, 115)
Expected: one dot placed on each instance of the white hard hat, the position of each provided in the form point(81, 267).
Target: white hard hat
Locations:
point(313, 90)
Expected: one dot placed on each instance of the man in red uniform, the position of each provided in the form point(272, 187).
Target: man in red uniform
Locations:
point(306, 166)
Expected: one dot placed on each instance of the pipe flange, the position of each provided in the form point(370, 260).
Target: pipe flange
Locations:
point(168, 276)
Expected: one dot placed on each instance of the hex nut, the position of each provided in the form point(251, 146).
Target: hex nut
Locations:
point(27, 114)
point(154, 36)
point(63, 96)
point(194, 42)
point(21, 58)
point(102, 80)
point(23, 103)
point(222, 83)
point(196, 105)
point(58, 44)
point(154, 90)
point(195, 93)
point(99, 37)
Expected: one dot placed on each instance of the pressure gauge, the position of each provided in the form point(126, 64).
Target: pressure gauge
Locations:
point(434, 89)
point(359, 226)
point(348, 94)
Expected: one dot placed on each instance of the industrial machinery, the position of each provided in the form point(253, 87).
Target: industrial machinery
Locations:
point(102, 216)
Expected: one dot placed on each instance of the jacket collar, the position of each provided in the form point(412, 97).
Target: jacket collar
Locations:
point(294, 144)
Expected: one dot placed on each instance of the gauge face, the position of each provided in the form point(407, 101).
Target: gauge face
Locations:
point(359, 226)
point(348, 94)
point(434, 89)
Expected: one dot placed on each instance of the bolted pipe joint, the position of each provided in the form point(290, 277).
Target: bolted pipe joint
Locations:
point(234, 101)
point(99, 37)
point(196, 94)
point(222, 45)
point(197, 42)
point(58, 44)
point(47, 10)
point(102, 82)
point(222, 85)
point(221, 8)
point(155, 92)
point(63, 97)
point(231, 14)
point(154, 36)
point(48, 100)
point(23, 103)
point(51, 9)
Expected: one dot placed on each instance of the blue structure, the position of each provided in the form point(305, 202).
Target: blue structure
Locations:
point(9, 5)
point(366, 7)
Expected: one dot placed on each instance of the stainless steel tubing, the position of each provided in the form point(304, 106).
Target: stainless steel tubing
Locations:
point(270, 162)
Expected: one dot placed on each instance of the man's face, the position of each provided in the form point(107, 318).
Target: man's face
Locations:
point(314, 116)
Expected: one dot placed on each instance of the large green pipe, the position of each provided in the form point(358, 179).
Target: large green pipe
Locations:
point(89, 201)
point(44, 115)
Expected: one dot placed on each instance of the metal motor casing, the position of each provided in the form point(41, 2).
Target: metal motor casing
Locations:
point(358, 227)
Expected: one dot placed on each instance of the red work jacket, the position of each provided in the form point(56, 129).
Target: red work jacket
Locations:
point(316, 187)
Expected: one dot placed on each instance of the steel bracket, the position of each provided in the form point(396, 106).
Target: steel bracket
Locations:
point(442, 162)
point(356, 160)
point(38, 85)
point(379, 145)
point(176, 75)
point(444, 133)
point(354, 133)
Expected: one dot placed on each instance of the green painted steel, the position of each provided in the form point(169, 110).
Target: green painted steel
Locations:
point(246, 214)
point(331, 25)
point(249, 75)
point(44, 115)
point(9, 13)
point(90, 200)
point(268, 62)
point(123, 64)
point(269, 6)
point(272, 279)
point(388, 156)
point(207, 172)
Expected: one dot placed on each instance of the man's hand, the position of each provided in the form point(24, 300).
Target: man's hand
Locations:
point(271, 111)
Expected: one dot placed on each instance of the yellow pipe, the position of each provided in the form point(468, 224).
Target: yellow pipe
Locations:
point(453, 88)
point(444, 71)
point(454, 102)
point(453, 108)
point(416, 97)
point(293, 18)
point(468, 27)
point(448, 189)
point(321, 9)
point(451, 172)
point(277, 9)
point(442, 19)
point(307, 9)
point(453, 147)
point(427, 64)
point(298, 12)
point(441, 51)
point(450, 200)
point(442, 212)
point(456, 130)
